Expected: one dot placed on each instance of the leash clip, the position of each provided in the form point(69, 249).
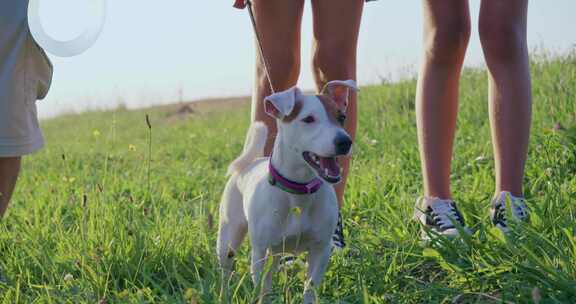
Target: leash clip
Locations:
point(240, 4)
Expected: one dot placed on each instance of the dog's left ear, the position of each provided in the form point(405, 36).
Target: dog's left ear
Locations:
point(339, 91)
point(281, 104)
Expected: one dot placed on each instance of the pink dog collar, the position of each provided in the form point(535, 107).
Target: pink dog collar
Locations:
point(275, 179)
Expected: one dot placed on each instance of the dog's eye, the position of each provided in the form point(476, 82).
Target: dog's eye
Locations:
point(309, 119)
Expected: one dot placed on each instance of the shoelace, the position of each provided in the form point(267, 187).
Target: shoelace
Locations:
point(519, 211)
point(444, 213)
point(338, 236)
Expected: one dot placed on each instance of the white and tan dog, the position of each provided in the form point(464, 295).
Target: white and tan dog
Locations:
point(287, 202)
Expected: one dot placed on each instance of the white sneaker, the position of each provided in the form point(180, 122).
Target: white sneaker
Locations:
point(440, 216)
point(505, 204)
point(338, 242)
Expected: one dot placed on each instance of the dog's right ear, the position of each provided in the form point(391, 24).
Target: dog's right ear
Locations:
point(281, 104)
point(339, 91)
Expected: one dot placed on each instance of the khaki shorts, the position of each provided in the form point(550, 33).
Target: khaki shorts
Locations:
point(25, 76)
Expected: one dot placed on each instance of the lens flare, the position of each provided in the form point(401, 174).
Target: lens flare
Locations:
point(74, 46)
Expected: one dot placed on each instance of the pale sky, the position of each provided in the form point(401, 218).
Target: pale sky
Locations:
point(149, 50)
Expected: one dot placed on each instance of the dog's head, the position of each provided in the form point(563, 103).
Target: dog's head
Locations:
point(312, 125)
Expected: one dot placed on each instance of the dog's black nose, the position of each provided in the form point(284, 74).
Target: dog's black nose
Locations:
point(343, 144)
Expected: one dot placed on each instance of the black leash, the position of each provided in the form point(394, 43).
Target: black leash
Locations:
point(260, 48)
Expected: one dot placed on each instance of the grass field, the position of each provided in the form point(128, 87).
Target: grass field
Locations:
point(99, 218)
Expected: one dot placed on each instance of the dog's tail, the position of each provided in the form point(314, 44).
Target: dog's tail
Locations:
point(253, 147)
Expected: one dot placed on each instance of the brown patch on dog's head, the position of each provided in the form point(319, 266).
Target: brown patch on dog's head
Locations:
point(334, 113)
point(295, 111)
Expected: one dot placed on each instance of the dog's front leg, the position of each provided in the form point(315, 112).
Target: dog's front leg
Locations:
point(259, 267)
point(317, 262)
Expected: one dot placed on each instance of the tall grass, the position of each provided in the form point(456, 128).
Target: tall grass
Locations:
point(84, 227)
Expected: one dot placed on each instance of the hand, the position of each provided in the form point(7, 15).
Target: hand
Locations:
point(240, 4)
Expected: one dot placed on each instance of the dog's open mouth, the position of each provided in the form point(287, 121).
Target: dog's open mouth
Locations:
point(327, 167)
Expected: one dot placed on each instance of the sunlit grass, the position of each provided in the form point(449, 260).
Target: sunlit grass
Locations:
point(83, 226)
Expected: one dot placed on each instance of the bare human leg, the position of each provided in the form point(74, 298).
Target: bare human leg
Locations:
point(279, 23)
point(446, 36)
point(336, 29)
point(9, 170)
point(503, 26)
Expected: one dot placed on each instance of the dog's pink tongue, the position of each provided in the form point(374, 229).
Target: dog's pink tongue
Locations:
point(331, 164)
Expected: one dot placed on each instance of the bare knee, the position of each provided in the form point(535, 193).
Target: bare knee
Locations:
point(334, 59)
point(10, 160)
point(284, 70)
point(503, 41)
point(445, 43)
point(9, 170)
point(9, 166)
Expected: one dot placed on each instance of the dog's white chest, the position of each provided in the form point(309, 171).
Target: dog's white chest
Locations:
point(297, 227)
point(297, 234)
point(286, 222)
